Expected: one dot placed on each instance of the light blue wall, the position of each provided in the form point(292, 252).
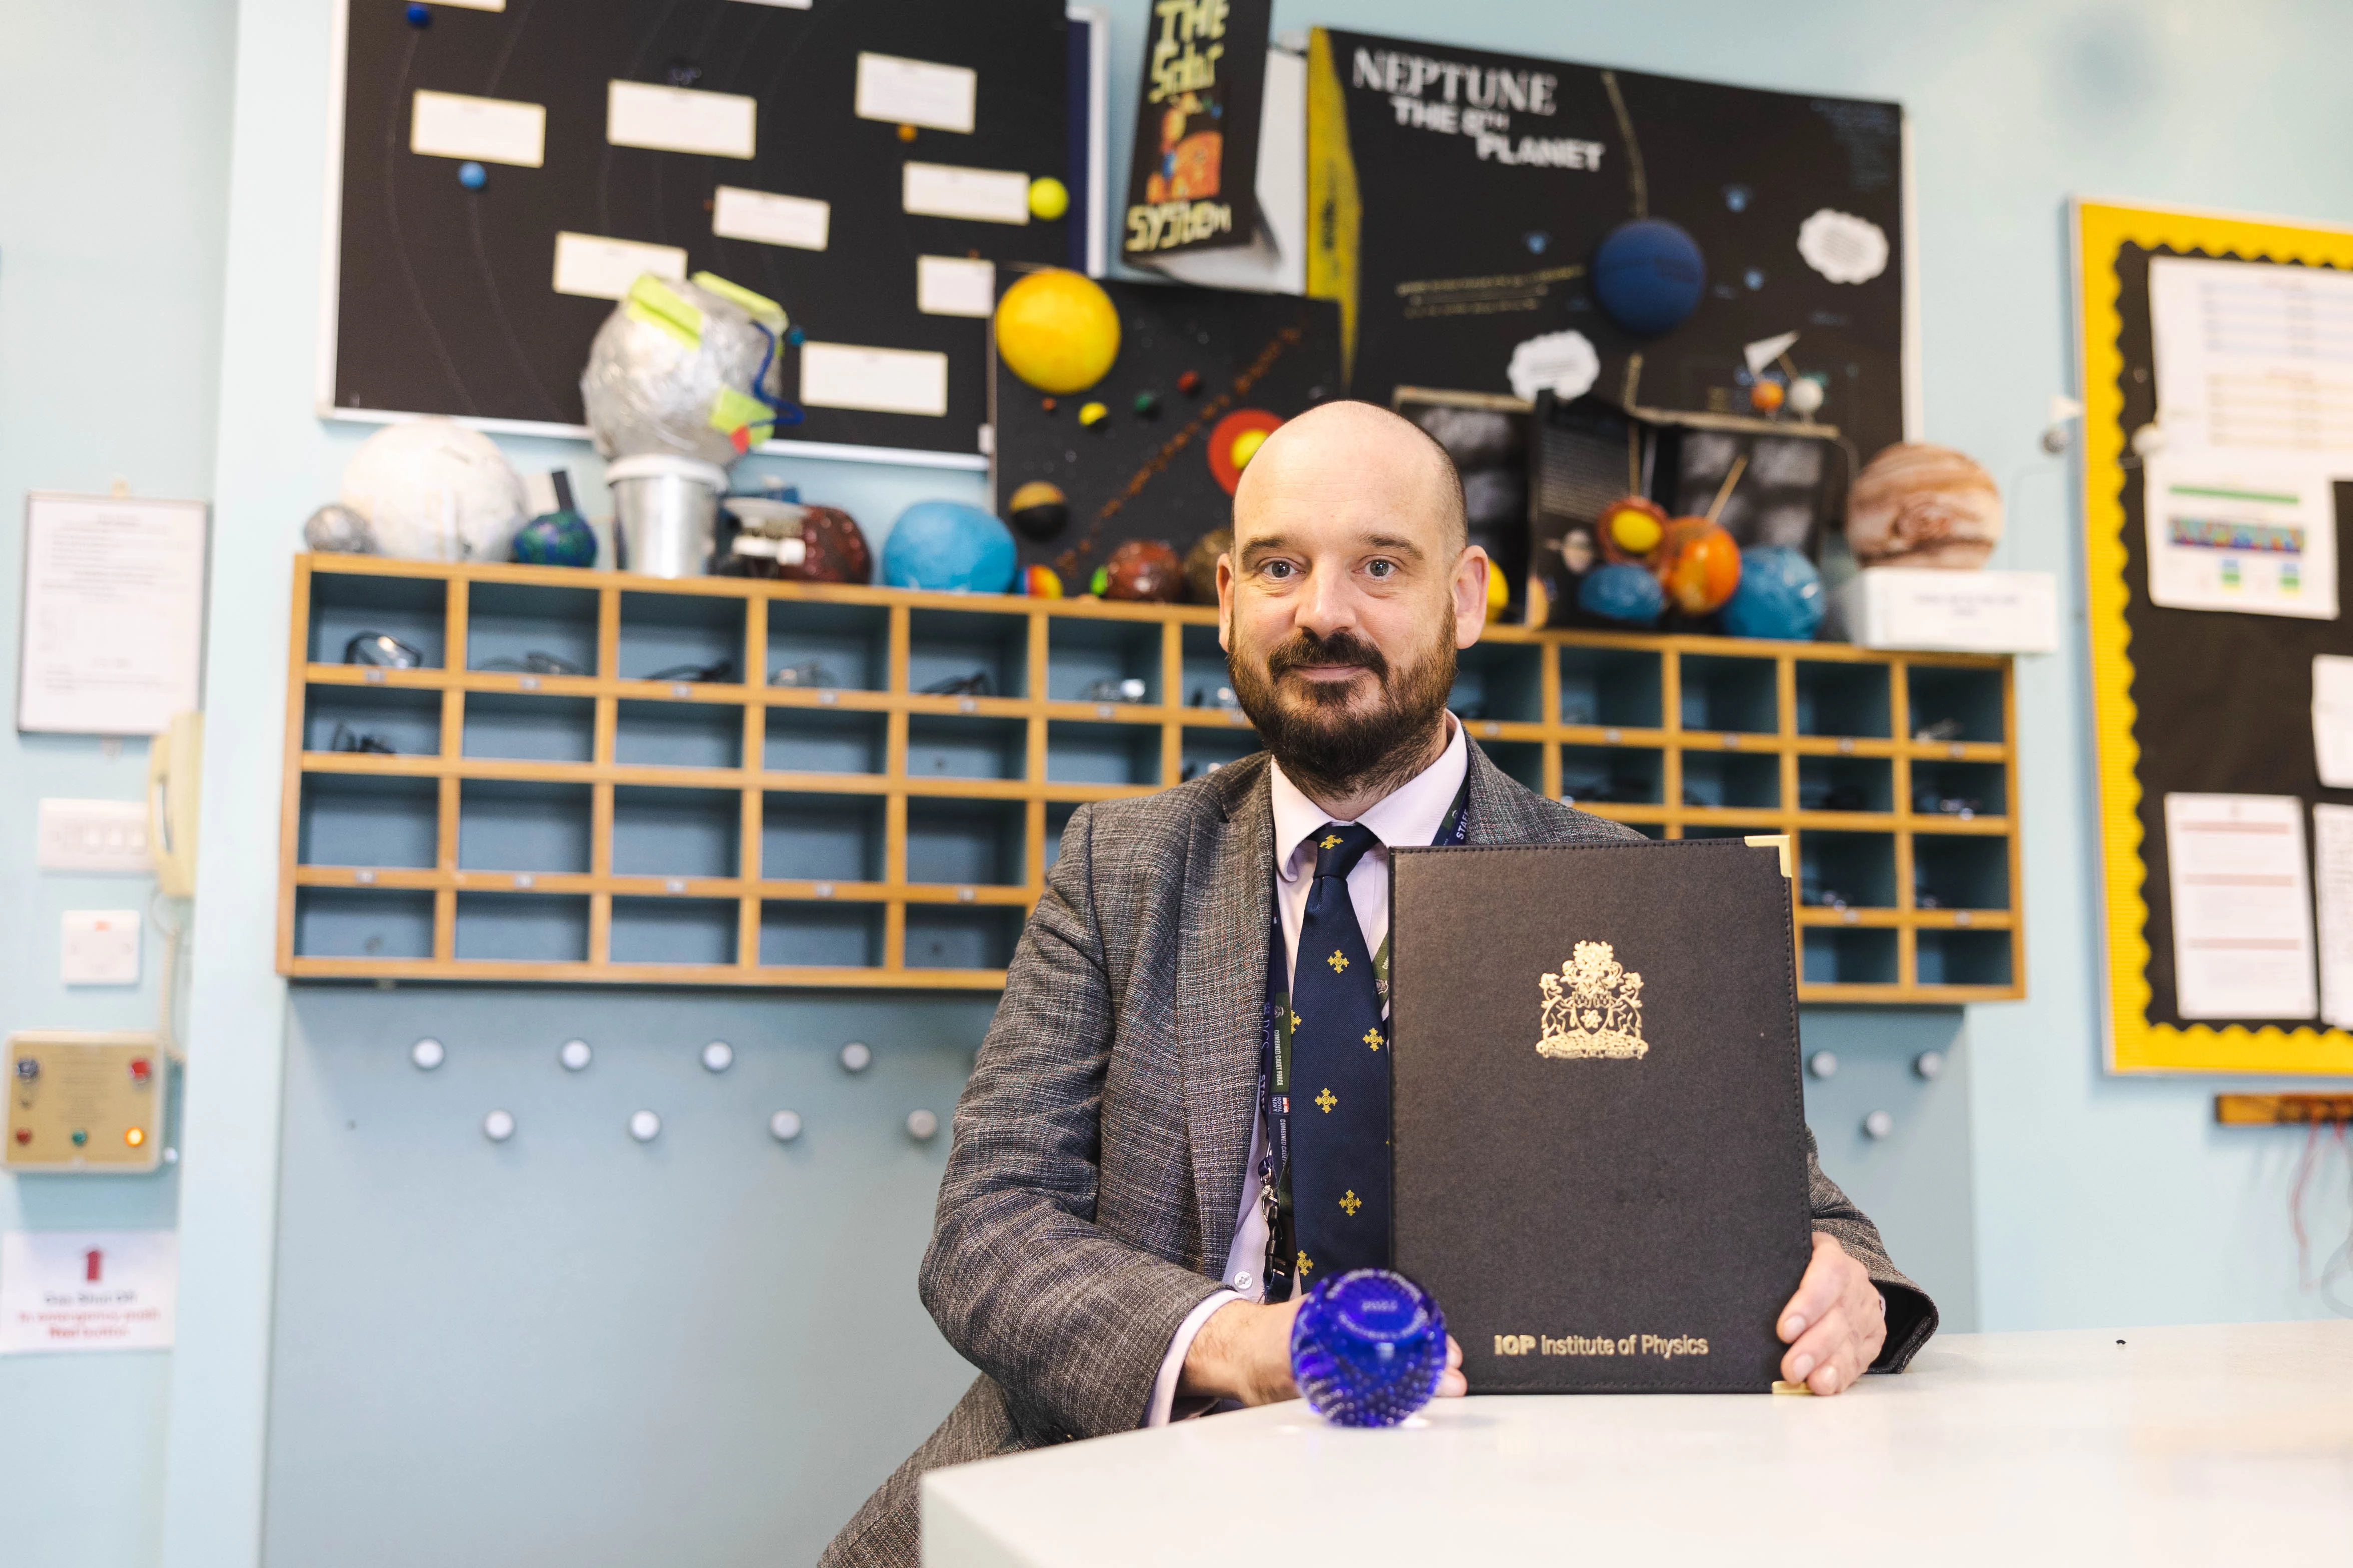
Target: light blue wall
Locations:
point(2093, 1201)
point(113, 157)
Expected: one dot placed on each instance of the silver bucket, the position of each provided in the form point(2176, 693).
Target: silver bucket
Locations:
point(666, 510)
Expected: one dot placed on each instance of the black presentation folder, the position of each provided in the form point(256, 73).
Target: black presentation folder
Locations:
point(1598, 1128)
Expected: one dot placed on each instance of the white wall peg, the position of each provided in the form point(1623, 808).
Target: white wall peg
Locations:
point(428, 1055)
point(645, 1126)
point(855, 1057)
point(499, 1126)
point(922, 1126)
point(1822, 1064)
point(785, 1126)
point(575, 1056)
point(1878, 1125)
point(1929, 1064)
point(718, 1057)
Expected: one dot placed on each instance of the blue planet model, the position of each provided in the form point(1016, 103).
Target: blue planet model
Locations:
point(1780, 596)
point(1368, 1349)
point(1622, 592)
point(948, 547)
point(556, 538)
point(1649, 276)
point(472, 176)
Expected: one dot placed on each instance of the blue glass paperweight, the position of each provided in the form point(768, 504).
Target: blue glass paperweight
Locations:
point(1367, 1348)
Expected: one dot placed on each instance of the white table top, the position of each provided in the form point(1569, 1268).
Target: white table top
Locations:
point(2193, 1444)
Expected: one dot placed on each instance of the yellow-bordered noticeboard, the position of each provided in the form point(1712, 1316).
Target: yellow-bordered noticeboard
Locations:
point(2188, 701)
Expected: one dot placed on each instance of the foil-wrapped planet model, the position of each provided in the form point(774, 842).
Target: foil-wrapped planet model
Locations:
point(338, 530)
point(1201, 564)
point(1780, 596)
point(556, 538)
point(1698, 564)
point(1144, 570)
point(1058, 330)
point(1919, 505)
point(1649, 276)
point(948, 547)
point(1039, 509)
point(432, 489)
point(1367, 1348)
point(1622, 591)
point(676, 367)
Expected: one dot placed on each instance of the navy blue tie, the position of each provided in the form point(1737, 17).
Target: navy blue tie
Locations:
point(1339, 1077)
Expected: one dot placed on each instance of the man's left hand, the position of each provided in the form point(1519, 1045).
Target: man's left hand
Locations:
point(1836, 1322)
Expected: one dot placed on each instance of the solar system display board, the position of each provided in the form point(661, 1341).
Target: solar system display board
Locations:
point(2227, 862)
point(1459, 197)
point(506, 170)
point(1198, 370)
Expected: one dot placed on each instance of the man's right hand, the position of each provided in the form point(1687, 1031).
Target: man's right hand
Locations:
point(1242, 1353)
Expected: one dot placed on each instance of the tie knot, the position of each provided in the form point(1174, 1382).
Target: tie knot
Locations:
point(1338, 848)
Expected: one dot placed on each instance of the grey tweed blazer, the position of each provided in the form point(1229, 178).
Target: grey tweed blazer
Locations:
point(1099, 1148)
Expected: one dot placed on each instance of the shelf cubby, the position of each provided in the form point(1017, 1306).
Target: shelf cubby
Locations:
point(847, 828)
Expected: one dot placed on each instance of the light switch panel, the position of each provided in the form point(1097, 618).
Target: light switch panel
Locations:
point(101, 947)
point(94, 836)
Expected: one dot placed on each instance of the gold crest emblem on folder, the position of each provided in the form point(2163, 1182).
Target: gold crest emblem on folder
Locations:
point(1593, 1007)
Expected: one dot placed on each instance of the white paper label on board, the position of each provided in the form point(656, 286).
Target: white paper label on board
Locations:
point(737, 212)
point(475, 4)
point(955, 286)
point(491, 129)
point(915, 92)
point(2332, 719)
point(945, 190)
point(597, 267)
point(1563, 364)
point(114, 613)
point(680, 119)
point(782, 4)
point(2242, 909)
point(2332, 859)
point(88, 1291)
point(881, 381)
point(2247, 535)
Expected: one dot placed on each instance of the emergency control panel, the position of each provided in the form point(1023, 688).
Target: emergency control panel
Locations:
point(90, 1103)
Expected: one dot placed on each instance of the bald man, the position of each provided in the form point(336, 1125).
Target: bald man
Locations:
point(1115, 1245)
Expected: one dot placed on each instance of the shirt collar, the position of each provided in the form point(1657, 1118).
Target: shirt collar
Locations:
point(1410, 813)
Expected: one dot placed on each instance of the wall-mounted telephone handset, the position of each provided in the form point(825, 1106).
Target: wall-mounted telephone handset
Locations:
point(174, 771)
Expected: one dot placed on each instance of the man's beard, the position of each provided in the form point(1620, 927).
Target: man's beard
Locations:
point(1327, 748)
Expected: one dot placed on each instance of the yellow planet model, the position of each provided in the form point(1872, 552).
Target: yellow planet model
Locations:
point(1246, 445)
point(1048, 198)
point(1058, 330)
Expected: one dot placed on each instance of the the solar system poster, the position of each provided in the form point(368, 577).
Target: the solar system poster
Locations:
point(1192, 185)
point(1457, 197)
point(1150, 451)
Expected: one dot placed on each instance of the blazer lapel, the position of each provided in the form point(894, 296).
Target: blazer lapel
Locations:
point(1220, 999)
point(1499, 804)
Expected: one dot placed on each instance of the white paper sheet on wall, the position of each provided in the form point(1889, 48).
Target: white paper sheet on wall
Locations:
point(946, 190)
point(2332, 719)
point(738, 213)
point(64, 1290)
point(2332, 860)
point(490, 130)
point(680, 119)
point(114, 613)
point(2241, 908)
point(597, 267)
point(2254, 397)
point(916, 93)
point(882, 381)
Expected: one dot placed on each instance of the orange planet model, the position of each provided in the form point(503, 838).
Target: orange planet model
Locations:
point(1235, 440)
point(1698, 565)
point(1630, 527)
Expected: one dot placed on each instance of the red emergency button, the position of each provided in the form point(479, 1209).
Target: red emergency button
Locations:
point(24, 1135)
point(139, 1071)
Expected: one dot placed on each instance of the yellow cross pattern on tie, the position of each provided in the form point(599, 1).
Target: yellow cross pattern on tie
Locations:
point(1305, 1263)
point(1294, 1023)
point(1351, 1204)
point(1338, 961)
point(1327, 1099)
point(1373, 1038)
point(1330, 841)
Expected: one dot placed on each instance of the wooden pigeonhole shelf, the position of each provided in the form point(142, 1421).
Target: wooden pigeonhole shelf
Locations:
point(851, 829)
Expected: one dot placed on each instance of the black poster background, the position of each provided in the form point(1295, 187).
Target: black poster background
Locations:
point(1239, 85)
point(1434, 210)
point(2221, 701)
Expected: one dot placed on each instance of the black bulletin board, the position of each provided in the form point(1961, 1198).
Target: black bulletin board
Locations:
point(444, 302)
point(2189, 701)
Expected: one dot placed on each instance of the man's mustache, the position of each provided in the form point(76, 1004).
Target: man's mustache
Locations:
point(1305, 648)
